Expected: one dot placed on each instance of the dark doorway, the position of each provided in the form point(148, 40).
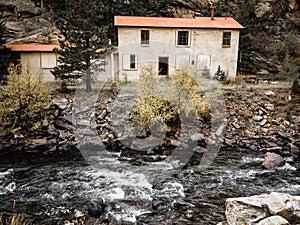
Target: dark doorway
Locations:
point(163, 65)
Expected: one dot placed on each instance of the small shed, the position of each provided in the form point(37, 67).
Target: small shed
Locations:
point(38, 59)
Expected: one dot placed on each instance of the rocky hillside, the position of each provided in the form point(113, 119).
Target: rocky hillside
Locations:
point(272, 27)
point(28, 21)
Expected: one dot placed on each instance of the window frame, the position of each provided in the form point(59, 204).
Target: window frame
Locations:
point(187, 39)
point(48, 60)
point(129, 62)
point(226, 40)
point(132, 60)
point(145, 41)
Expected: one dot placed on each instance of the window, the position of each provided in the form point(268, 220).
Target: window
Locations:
point(132, 61)
point(48, 60)
point(183, 38)
point(129, 62)
point(145, 37)
point(226, 39)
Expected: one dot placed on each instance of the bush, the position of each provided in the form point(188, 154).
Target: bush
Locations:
point(151, 110)
point(220, 74)
point(178, 95)
point(22, 102)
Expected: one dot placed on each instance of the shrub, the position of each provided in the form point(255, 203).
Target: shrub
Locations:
point(151, 110)
point(220, 74)
point(22, 102)
point(179, 95)
point(200, 105)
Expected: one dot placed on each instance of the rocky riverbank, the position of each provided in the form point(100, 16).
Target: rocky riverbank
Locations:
point(264, 119)
point(260, 118)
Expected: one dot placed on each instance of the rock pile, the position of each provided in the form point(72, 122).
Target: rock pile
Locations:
point(264, 121)
point(266, 209)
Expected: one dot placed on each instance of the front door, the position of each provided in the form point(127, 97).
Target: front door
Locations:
point(163, 65)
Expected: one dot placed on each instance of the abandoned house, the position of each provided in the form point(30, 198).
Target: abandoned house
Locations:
point(170, 44)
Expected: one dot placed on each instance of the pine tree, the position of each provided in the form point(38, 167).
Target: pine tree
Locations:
point(5, 53)
point(82, 25)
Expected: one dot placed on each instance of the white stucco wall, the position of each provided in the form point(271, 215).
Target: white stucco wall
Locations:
point(39, 64)
point(205, 46)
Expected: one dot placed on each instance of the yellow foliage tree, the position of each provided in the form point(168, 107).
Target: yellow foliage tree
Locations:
point(22, 102)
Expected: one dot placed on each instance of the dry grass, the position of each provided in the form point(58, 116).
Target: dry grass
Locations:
point(14, 220)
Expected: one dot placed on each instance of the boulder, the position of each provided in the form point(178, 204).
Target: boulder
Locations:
point(272, 220)
point(283, 205)
point(274, 208)
point(245, 210)
point(272, 160)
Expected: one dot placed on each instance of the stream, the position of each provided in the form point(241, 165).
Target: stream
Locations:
point(49, 190)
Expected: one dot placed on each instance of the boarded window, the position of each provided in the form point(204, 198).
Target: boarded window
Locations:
point(226, 39)
point(182, 61)
point(48, 60)
point(183, 38)
point(203, 62)
point(129, 62)
point(145, 37)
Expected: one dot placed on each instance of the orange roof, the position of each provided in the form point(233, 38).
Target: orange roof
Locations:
point(32, 47)
point(197, 22)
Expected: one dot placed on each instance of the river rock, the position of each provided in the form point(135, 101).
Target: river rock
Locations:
point(269, 106)
point(61, 103)
point(284, 205)
point(258, 118)
point(254, 209)
point(295, 151)
point(272, 160)
point(63, 125)
point(274, 220)
point(103, 115)
point(197, 137)
point(96, 208)
point(245, 210)
point(269, 93)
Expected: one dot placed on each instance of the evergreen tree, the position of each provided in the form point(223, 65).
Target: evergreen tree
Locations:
point(82, 25)
point(5, 53)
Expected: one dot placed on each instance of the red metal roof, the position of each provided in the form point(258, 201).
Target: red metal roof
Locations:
point(32, 47)
point(197, 22)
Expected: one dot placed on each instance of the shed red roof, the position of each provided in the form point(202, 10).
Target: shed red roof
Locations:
point(197, 22)
point(32, 47)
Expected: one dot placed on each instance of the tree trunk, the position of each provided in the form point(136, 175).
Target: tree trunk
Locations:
point(88, 83)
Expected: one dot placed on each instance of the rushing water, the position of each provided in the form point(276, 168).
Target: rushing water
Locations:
point(49, 189)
